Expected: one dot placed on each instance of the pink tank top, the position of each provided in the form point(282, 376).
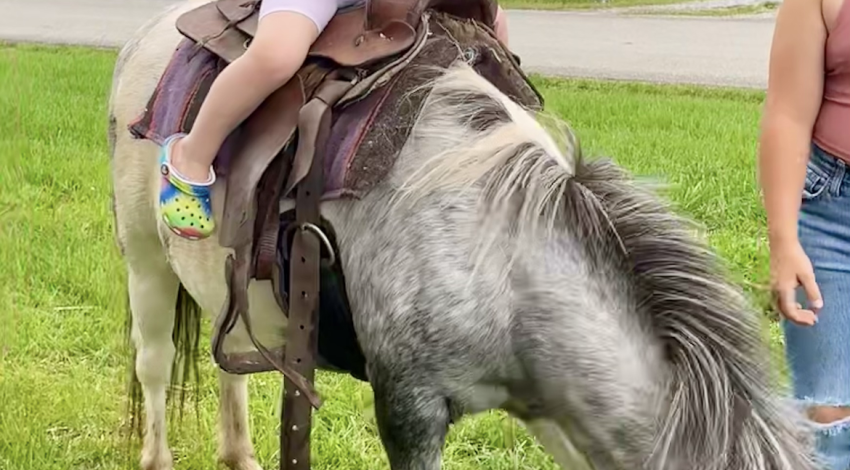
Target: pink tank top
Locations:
point(832, 128)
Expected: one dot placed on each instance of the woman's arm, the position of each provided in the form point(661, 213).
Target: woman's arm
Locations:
point(501, 26)
point(794, 94)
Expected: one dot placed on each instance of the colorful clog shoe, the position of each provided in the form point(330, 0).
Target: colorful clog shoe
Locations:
point(184, 205)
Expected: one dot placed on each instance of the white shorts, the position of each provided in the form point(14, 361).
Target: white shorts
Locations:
point(320, 11)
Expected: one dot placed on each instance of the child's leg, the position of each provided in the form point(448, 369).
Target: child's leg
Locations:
point(286, 31)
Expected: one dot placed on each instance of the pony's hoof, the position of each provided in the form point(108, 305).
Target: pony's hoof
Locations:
point(157, 461)
point(246, 463)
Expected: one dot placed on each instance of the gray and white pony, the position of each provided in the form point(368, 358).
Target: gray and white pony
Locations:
point(494, 268)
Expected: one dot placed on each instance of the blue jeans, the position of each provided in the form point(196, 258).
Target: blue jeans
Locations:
point(819, 356)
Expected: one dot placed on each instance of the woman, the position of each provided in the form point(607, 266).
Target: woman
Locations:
point(285, 34)
point(804, 154)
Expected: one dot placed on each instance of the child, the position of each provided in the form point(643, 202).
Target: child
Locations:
point(285, 33)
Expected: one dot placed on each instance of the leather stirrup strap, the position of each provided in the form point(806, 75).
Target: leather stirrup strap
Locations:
point(305, 262)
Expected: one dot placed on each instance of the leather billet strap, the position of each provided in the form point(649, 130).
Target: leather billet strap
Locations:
point(306, 178)
point(267, 222)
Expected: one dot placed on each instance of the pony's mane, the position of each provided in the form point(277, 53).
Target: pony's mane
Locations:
point(722, 412)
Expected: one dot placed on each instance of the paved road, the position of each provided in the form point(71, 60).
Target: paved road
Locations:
point(708, 51)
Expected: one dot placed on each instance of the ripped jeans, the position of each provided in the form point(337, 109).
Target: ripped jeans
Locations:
point(819, 356)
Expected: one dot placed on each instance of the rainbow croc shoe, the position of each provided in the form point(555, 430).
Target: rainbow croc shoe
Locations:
point(184, 205)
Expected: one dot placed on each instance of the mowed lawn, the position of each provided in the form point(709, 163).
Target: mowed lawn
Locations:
point(63, 362)
point(580, 4)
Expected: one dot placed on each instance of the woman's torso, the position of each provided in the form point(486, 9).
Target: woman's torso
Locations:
point(832, 128)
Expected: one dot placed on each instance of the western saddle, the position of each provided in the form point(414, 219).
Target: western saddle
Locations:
point(365, 49)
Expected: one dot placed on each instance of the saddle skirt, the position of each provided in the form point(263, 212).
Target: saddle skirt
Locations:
point(388, 51)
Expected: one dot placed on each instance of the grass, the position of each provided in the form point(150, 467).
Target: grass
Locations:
point(700, 142)
point(740, 10)
point(62, 358)
point(580, 4)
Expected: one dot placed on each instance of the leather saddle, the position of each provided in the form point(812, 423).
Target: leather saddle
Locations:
point(356, 37)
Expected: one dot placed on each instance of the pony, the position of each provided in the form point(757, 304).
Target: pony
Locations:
point(494, 268)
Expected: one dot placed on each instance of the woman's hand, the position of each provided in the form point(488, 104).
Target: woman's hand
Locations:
point(789, 268)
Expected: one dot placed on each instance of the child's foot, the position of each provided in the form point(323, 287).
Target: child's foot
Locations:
point(184, 204)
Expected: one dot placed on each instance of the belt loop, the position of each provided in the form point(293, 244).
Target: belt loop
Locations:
point(837, 178)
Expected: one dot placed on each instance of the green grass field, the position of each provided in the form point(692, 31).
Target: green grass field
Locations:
point(579, 4)
point(761, 8)
point(62, 359)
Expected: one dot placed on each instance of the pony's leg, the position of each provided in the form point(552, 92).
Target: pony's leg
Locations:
point(153, 293)
point(235, 448)
point(556, 443)
point(605, 395)
point(413, 421)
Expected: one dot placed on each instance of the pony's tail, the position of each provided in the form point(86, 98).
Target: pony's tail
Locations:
point(186, 336)
point(722, 412)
